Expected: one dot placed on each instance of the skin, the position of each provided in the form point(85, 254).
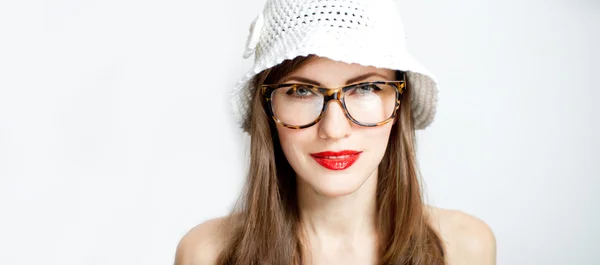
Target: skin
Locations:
point(337, 207)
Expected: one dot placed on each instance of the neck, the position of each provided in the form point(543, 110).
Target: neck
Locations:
point(348, 218)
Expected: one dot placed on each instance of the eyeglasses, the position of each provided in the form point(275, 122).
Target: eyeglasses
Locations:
point(299, 106)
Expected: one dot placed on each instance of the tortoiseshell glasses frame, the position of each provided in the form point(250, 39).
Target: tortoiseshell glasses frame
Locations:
point(334, 94)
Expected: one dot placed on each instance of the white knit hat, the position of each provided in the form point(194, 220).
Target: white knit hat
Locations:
point(366, 32)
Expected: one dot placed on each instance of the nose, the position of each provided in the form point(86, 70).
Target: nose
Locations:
point(334, 125)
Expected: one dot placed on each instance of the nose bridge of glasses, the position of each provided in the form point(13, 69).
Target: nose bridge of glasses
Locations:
point(331, 93)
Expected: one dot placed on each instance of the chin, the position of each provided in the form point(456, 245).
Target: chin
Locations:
point(336, 185)
point(332, 192)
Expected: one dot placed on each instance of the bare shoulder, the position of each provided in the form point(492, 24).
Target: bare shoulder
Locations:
point(467, 239)
point(202, 244)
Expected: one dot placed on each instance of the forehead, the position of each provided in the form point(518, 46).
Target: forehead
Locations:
point(334, 73)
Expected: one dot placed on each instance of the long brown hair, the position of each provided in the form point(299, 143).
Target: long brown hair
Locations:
point(263, 228)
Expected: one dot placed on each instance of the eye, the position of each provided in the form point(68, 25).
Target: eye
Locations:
point(367, 88)
point(299, 90)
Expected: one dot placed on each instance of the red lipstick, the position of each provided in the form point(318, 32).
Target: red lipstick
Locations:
point(336, 160)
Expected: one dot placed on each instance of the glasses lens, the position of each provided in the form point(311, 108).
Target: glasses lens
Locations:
point(297, 105)
point(371, 103)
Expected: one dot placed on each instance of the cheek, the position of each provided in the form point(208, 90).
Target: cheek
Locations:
point(295, 142)
point(375, 142)
point(376, 138)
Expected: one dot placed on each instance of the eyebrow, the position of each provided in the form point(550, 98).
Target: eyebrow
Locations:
point(349, 81)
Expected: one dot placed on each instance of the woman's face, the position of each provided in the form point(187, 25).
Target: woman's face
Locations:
point(335, 174)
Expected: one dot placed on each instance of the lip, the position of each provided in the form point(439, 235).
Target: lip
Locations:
point(339, 160)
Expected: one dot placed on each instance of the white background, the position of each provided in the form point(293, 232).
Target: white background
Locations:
point(116, 135)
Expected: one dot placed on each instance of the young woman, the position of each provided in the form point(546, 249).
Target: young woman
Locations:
point(331, 105)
